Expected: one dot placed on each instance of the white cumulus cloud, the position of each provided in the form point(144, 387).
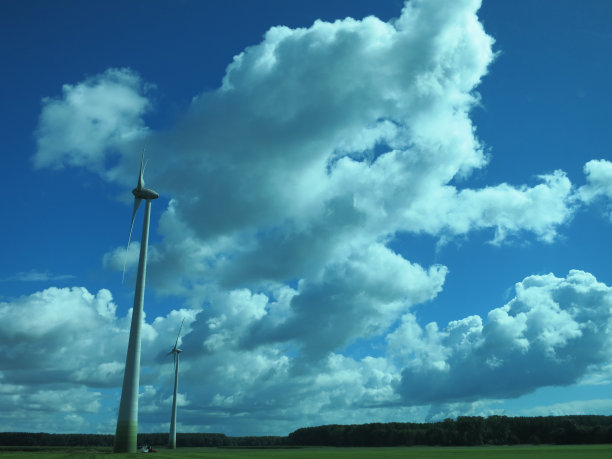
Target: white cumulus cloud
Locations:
point(599, 183)
point(90, 119)
point(553, 333)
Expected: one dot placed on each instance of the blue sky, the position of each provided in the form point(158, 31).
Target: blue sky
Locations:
point(369, 211)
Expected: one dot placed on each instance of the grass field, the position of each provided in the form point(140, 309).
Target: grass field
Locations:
point(503, 452)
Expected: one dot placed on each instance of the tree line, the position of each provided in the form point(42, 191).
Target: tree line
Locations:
point(463, 431)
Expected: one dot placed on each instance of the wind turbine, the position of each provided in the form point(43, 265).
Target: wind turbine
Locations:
point(176, 351)
point(127, 421)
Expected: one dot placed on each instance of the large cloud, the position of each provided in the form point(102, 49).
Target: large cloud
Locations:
point(331, 139)
point(321, 143)
point(554, 332)
point(293, 136)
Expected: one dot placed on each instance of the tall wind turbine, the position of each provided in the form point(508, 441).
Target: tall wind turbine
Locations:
point(176, 351)
point(127, 421)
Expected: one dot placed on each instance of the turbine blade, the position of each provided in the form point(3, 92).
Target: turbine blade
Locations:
point(169, 353)
point(140, 185)
point(179, 333)
point(136, 204)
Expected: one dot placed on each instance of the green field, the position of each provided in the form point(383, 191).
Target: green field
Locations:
point(504, 452)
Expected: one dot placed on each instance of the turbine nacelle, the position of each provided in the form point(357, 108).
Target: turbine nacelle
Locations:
point(175, 350)
point(144, 193)
point(140, 193)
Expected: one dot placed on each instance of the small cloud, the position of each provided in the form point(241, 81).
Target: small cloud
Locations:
point(104, 111)
point(122, 258)
point(37, 276)
point(598, 187)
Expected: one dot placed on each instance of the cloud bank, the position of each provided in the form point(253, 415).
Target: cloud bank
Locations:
point(553, 332)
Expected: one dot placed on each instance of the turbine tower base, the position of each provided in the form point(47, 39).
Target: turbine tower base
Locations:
point(126, 437)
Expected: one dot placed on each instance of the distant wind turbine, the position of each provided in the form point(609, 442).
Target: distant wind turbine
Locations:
point(127, 421)
point(176, 351)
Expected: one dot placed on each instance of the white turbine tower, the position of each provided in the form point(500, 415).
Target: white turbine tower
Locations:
point(176, 351)
point(127, 421)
